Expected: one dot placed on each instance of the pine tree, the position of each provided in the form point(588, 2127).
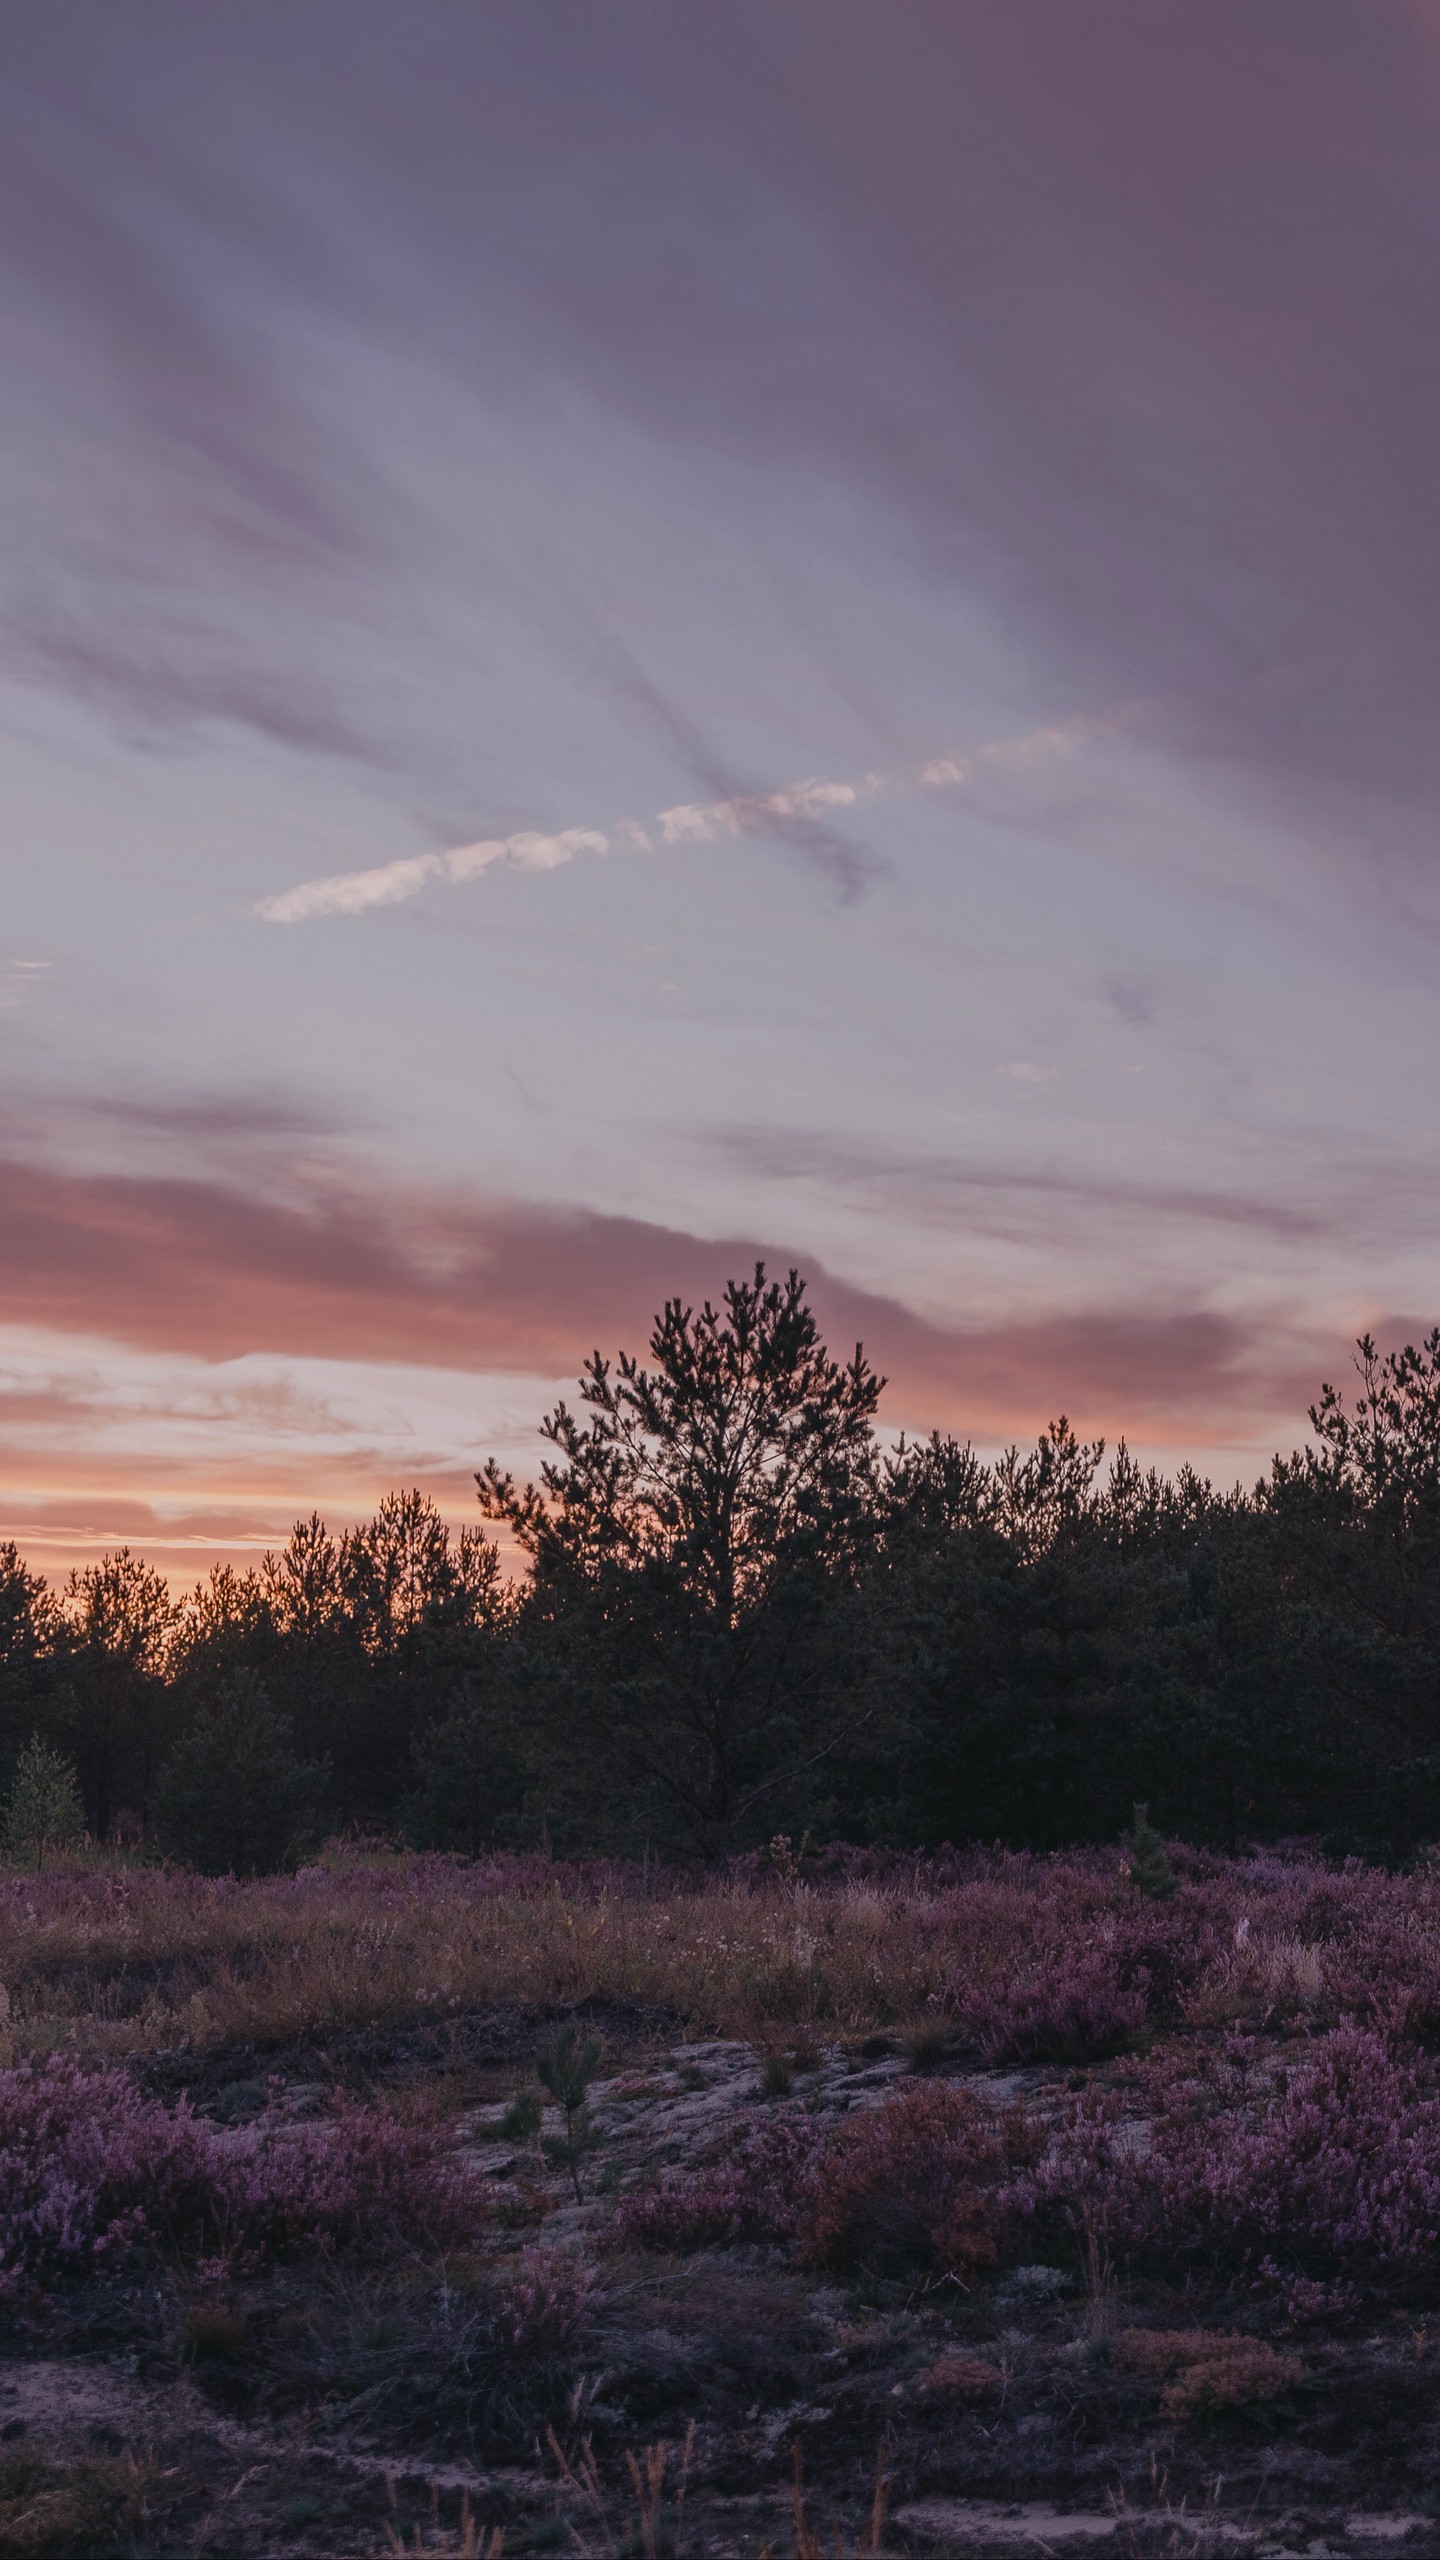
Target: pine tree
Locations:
point(469, 1766)
point(233, 1798)
point(43, 1810)
point(1147, 1861)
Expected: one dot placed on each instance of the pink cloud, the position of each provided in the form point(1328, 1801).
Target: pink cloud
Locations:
point(449, 1281)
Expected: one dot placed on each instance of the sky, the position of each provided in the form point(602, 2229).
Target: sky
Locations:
point(634, 638)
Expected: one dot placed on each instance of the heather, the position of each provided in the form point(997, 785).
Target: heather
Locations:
point(923, 2179)
point(1022, 1958)
point(91, 2171)
point(1050, 2173)
point(1321, 2162)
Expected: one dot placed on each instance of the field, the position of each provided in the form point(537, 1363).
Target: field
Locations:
point(405, 2201)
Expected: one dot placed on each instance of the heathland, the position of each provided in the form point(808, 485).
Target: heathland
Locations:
point(638, 2098)
point(409, 2200)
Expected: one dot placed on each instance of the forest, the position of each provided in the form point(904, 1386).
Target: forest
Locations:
point(746, 1613)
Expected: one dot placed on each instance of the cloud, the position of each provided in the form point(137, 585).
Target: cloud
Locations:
point(795, 812)
point(744, 815)
point(385, 1275)
point(354, 893)
point(1330, 1196)
point(1121, 323)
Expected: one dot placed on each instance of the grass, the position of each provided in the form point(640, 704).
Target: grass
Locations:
point(114, 1959)
point(67, 2510)
point(122, 1962)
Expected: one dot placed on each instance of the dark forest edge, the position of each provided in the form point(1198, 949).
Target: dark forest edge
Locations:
point(743, 1615)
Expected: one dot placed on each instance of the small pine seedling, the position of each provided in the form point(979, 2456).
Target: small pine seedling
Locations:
point(522, 2118)
point(566, 2068)
point(1149, 1866)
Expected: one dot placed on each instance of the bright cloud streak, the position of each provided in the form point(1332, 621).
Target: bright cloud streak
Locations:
point(353, 893)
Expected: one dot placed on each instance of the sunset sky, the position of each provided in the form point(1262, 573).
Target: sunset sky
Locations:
point(641, 635)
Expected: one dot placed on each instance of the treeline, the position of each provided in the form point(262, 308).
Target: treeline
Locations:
point(744, 1614)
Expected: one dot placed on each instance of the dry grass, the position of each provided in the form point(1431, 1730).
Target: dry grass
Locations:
point(56, 2510)
point(1207, 2369)
point(125, 1959)
point(110, 1957)
point(961, 2379)
point(469, 2542)
point(643, 2516)
point(1269, 1978)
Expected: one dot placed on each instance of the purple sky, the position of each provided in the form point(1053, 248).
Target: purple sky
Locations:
point(639, 635)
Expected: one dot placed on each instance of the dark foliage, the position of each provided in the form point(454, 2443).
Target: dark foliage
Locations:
point(741, 1617)
point(232, 1797)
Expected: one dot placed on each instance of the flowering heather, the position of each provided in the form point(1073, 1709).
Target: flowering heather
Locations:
point(917, 2180)
point(91, 2170)
point(755, 2190)
point(921, 2178)
point(1076, 2012)
point(1323, 2166)
point(116, 1959)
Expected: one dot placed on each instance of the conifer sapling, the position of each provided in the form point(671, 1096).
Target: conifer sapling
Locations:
point(43, 1809)
point(1147, 1862)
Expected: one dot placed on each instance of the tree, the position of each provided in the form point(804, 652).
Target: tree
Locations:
point(233, 1798)
point(403, 1575)
point(366, 1637)
point(419, 1600)
point(117, 1623)
point(29, 1625)
point(469, 1765)
point(688, 1534)
point(1357, 1523)
point(42, 1812)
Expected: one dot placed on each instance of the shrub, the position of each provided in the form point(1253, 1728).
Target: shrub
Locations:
point(566, 2068)
point(1327, 2165)
point(1211, 2369)
point(542, 2308)
point(754, 2190)
point(55, 2510)
point(1248, 2375)
point(777, 2074)
point(917, 2179)
point(1147, 1861)
point(1080, 2012)
point(1166, 1948)
point(961, 2378)
point(90, 2170)
point(1157, 2353)
point(922, 2179)
point(213, 2335)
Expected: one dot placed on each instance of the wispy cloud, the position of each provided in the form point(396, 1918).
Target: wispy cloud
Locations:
point(689, 822)
point(354, 893)
point(700, 822)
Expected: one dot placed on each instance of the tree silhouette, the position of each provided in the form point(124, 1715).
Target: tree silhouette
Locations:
point(687, 1529)
point(232, 1798)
